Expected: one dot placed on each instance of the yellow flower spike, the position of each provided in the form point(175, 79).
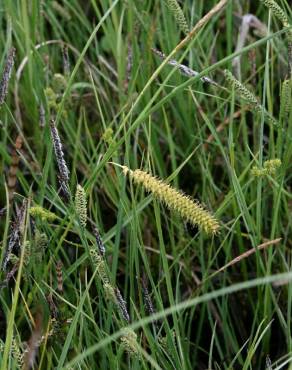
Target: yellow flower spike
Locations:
point(191, 211)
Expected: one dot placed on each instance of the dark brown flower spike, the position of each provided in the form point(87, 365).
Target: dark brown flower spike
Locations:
point(62, 166)
point(6, 75)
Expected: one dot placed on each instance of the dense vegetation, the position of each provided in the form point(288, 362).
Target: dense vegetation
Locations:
point(145, 204)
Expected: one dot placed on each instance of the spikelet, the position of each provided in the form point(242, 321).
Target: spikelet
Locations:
point(114, 296)
point(6, 75)
point(40, 244)
point(147, 299)
point(286, 99)
point(185, 70)
point(59, 83)
point(107, 136)
point(16, 353)
point(27, 253)
point(16, 234)
point(258, 172)
point(178, 15)
point(59, 273)
point(99, 264)
point(51, 97)
point(110, 292)
point(42, 213)
point(63, 169)
point(62, 166)
point(121, 303)
point(270, 168)
point(272, 165)
point(99, 242)
point(248, 96)
point(277, 11)
point(81, 205)
point(242, 90)
point(175, 200)
point(282, 16)
point(129, 342)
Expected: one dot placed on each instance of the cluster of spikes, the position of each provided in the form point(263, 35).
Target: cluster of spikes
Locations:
point(270, 168)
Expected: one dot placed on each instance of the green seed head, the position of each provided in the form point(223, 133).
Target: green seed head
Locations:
point(277, 11)
point(81, 205)
point(178, 15)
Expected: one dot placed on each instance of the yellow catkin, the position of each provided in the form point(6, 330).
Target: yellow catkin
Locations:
point(175, 200)
point(81, 205)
